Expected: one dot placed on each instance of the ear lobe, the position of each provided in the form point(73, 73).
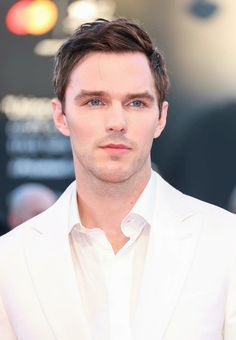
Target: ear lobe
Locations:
point(59, 117)
point(162, 120)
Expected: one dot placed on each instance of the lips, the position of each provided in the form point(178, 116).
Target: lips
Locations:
point(116, 146)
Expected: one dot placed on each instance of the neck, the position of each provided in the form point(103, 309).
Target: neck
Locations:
point(104, 205)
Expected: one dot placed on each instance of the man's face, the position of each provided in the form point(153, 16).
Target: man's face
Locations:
point(111, 115)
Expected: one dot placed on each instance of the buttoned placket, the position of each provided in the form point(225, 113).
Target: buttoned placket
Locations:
point(117, 272)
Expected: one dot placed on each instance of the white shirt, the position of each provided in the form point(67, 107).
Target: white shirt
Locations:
point(109, 283)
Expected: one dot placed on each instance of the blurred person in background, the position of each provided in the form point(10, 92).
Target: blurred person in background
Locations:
point(27, 201)
point(121, 255)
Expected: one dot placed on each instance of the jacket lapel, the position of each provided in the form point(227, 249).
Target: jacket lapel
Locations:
point(47, 252)
point(172, 244)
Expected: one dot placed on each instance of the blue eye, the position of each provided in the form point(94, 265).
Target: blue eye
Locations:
point(136, 103)
point(95, 102)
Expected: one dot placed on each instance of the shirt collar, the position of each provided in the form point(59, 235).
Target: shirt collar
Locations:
point(144, 206)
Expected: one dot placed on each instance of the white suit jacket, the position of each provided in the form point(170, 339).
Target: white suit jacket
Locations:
point(188, 290)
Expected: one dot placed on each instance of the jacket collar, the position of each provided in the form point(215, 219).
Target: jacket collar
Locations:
point(168, 199)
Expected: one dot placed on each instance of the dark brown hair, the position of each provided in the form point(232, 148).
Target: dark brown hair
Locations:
point(120, 35)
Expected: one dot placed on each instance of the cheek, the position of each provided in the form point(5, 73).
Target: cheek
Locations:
point(147, 131)
point(83, 132)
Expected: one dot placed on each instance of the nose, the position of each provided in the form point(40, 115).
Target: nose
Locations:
point(116, 120)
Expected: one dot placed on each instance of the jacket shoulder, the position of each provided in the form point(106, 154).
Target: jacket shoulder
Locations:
point(183, 205)
point(10, 243)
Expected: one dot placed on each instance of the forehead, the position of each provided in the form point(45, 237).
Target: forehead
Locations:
point(117, 72)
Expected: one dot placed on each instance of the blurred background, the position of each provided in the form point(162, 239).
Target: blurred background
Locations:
point(196, 153)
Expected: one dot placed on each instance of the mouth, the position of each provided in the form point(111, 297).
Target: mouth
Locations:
point(116, 147)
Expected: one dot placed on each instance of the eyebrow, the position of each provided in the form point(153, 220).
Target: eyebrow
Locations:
point(142, 95)
point(84, 94)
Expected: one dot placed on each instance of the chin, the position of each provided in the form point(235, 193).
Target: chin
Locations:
point(113, 176)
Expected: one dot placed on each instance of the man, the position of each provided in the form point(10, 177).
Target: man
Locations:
point(121, 255)
point(28, 200)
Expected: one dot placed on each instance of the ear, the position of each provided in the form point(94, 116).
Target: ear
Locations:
point(59, 117)
point(162, 120)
